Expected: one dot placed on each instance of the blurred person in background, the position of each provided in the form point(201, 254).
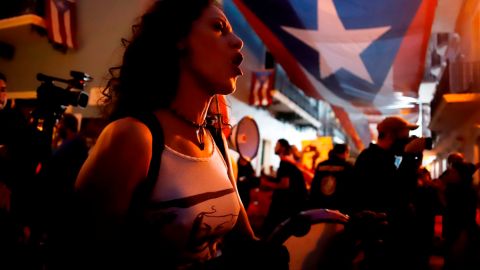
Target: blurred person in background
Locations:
point(58, 175)
point(426, 203)
point(246, 180)
point(460, 230)
point(385, 180)
point(21, 151)
point(289, 189)
point(332, 183)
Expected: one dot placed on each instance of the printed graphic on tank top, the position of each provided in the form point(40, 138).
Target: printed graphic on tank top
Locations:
point(193, 204)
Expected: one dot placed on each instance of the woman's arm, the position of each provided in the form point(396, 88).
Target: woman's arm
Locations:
point(284, 183)
point(118, 163)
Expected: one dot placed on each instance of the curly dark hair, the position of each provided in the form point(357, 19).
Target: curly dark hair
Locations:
point(148, 76)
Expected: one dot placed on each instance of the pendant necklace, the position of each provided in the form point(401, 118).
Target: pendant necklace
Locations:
point(199, 128)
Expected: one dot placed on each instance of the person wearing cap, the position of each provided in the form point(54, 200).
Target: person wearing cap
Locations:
point(330, 185)
point(385, 178)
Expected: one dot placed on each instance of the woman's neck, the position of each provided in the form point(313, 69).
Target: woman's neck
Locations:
point(190, 107)
point(192, 103)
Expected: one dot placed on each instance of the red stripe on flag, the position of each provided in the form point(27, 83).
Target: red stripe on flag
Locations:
point(291, 66)
point(275, 46)
point(261, 88)
point(61, 22)
point(254, 97)
point(61, 26)
point(408, 67)
point(347, 124)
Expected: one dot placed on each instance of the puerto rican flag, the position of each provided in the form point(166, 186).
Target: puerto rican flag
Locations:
point(62, 22)
point(261, 88)
point(365, 58)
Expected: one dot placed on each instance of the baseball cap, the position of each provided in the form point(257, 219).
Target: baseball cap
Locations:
point(394, 123)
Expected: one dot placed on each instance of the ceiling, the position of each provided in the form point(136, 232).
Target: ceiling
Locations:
point(21, 29)
point(455, 110)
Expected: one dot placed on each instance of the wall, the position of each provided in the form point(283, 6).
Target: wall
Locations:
point(101, 25)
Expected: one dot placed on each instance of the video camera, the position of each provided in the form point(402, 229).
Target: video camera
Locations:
point(52, 96)
point(52, 100)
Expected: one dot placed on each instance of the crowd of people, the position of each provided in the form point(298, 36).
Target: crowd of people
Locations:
point(386, 178)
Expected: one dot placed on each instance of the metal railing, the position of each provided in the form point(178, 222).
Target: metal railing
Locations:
point(286, 87)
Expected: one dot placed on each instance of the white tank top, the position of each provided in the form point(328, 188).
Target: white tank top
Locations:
point(194, 204)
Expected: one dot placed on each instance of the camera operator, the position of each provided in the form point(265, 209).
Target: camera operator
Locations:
point(24, 148)
point(386, 179)
point(19, 157)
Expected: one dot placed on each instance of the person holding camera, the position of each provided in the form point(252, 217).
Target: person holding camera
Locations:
point(386, 177)
point(19, 158)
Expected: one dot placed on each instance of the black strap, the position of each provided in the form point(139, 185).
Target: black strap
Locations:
point(217, 137)
point(139, 240)
point(143, 191)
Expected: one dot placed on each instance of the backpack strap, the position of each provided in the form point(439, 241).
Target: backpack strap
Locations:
point(142, 193)
point(217, 137)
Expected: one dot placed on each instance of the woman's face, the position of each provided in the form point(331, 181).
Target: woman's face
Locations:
point(213, 52)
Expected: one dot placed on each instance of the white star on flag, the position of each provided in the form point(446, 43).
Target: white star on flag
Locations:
point(338, 47)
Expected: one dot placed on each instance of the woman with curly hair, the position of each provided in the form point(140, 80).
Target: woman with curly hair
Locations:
point(157, 188)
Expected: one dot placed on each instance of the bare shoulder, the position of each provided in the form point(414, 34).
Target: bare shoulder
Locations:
point(118, 162)
point(127, 131)
point(127, 135)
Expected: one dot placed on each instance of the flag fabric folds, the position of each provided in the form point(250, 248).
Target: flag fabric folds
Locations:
point(359, 56)
point(261, 88)
point(61, 21)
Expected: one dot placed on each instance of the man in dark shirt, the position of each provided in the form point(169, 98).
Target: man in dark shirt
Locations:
point(331, 183)
point(246, 179)
point(460, 229)
point(59, 173)
point(290, 191)
point(21, 150)
point(385, 179)
point(386, 171)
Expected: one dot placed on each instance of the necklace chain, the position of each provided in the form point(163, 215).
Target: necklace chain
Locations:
point(199, 128)
point(188, 121)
